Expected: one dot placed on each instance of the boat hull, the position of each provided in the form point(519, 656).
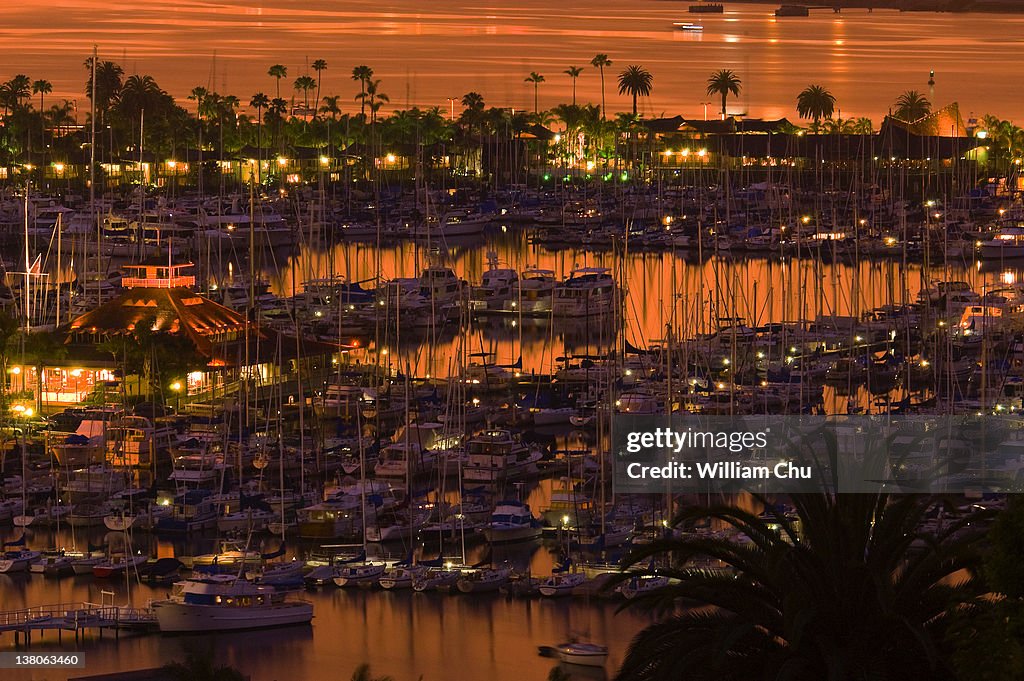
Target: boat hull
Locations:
point(182, 617)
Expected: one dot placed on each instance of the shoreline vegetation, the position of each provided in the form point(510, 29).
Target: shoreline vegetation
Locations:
point(959, 6)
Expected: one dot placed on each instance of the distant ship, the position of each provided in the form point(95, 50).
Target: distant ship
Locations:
point(707, 8)
point(793, 11)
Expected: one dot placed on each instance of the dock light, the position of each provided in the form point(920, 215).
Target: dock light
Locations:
point(668, 152)
point(172, 164)
point(59, 167)
point(863, 222)
point(591, 165)
point(857, 339)
point(391, 158)
point(685, 152)
point(725, 361)
point(1002, 212)
point(702, 153)
point(15, 370)
point(324, 160)
point(982, 134)
point(565, 520)
point(29, 166)
point(29, 412)
point(721, 386)
point(76, 372)
point(629, 372)
point(806, 219)
point(476, 400)
point(760, 355)
point(176, 386)
point(929, 203)
point(558, 137)
point(282, 161)
point(19, 408)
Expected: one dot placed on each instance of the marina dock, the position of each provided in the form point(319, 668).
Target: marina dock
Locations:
point(74, 617)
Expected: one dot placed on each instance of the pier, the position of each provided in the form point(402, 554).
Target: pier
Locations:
point(75, 617)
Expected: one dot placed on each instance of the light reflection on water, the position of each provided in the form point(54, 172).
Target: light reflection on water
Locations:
point(425, 54)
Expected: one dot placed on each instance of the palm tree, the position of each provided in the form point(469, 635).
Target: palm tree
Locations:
point(635, 81)
point(331, 106)
point(41, 87)
point(599, 62)
point(724, 82)
point(860, 591)
point(362, 673)
point(815, 102)
point(278, 71)
point(259, 101)
point(320, 65)
point(200, 666)
point(108, 85)
point(363, 74)
point(536, 79)
point(574, 73)
point(305, 84)
point(372, 99)
point(912, 106)
point(863, 126)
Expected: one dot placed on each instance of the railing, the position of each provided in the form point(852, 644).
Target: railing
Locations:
point(16, 619)
point(161, 282)
point(75, 615)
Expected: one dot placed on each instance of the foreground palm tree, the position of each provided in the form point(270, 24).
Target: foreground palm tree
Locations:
point(912, 106)
point(635, 81)
point(574, 73)
point(815, 102)
point(536, 79)
point(724, 83)
point(200, 666)
point(858, 593)
point(599, 62)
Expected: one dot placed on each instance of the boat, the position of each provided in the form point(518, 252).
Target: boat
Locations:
point(585, 654)
point(497, 456)
point(793, 11)
point(193, 511)
point(286, 574)
point(562, 581)
point(227, 605)
point(511, 521)
point(117, 565)
point(687, 26)
point(588, 291)
point(640, 584)
point(53, 565)
point(17, 561)
point(401, 576)
point(1005, 243)
point(707, 8)
point(364, 573)
point(483, 581)
point(439, 578)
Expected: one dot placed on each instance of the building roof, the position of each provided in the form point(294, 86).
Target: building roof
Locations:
point(175, 310)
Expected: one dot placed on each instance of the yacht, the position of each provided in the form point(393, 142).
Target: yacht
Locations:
point(228, 605)
point(511, 521)
point(193, 511)
point(135, 440)
point(496, 456)
point(1008, 242)
point(587, 292)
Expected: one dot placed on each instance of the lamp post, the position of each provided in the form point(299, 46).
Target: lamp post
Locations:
point(705, 105)
point(451, 104)
point(176, 387)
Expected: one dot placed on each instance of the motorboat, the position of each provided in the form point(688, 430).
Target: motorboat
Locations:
point(230, 604)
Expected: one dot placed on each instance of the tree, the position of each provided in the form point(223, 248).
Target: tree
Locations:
point(723, 83)
point(108, 85)
point(371, 98)
point(860, 591)
point(41, 87)
point(635, 81)
point(320, 65)
point(200, 666)
point(278, 71)
point(259, 101)
point(305, 84)
point(362, 74)
point(362, 673)
point(814, 103)
point(599, 62)
point(331, 106)
point(912, 106)
point(574, 73)
point(536, 79)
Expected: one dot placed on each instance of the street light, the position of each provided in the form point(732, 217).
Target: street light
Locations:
point(706, 105)
point(451, 103)
point(176, 387)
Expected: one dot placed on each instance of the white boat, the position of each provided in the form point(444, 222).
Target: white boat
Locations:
point(561, 584)
point(483, 581)
point(243, 521)
point(437, 579)
point(511, 521)
point(1005, 243)
point(359, 574)
point(585, 654)
point(587, 292)
point(641, 584)
point(52, 565)
point(284, 574)
point(228, 605)
point(117, 565)
point(84, 565)
point(17, 561)
point(401, 576)
point(497, 456)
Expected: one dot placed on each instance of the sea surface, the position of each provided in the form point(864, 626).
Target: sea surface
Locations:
point(426, 53)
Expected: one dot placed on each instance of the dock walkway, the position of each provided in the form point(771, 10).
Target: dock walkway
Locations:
point(77, 617)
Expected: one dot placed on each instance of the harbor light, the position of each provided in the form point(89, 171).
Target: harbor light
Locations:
point(558, 137)
point(59, 167)
point(391, 158)
point(176, 386)
point(282, 161)
point(702, 153)
point(982, 134)
point(172, 164)
point(324, 160)
point(15, 370)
